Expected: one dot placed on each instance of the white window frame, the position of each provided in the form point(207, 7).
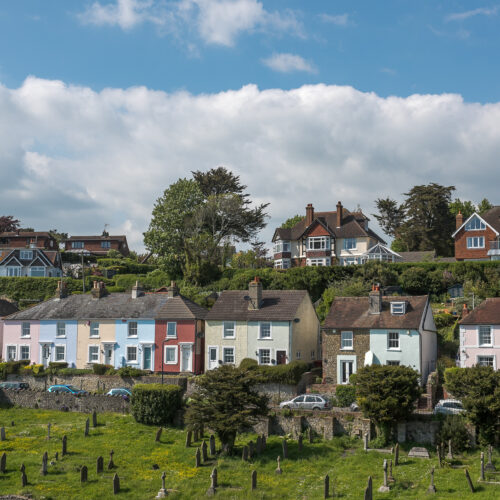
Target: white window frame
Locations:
point(348, 358)
point(344, 341)
point(13, 271)
point(55, 352)
point(7, 352)
point(23, 335)
point(136, 360)
point(393, 340)
point(77, 244)
point(479, 334)
point(261, 356)
point(26, 254)
point(39, 269)
point(228, 348)
point(224, 336)
point(90, 330)
point(89, 359)
point(129, 329)
point(270, 337)
point(176, 356)
point(323, 243)
point(345, 246)
point(480, 359)
point(318, 261)
point(398, 308)
point(21, 347)
point(472, 223)
point(282, 264)
point(475, 242)
point(174, 336)
point(59, 329)
point(281, 246)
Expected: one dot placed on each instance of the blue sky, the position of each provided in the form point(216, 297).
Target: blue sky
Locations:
point(105, 103)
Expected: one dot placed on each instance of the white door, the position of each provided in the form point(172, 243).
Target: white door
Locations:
point(213, 357)
point(347, 368)
point(45, 355)
point(108, 354)
point(186, 363)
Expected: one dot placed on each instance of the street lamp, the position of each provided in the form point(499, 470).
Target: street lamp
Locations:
point(162, 357)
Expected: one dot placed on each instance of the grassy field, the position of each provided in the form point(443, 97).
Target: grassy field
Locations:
point(136, 452)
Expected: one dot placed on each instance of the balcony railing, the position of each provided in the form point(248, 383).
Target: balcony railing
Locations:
point(495, 245)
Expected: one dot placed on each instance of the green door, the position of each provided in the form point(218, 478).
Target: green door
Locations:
point(147, 358)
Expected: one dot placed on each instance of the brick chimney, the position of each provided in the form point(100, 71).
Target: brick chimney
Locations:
point(375, 300)
point(172, 290)
point(459, 219)
point(62, 290)
point(309, 214)
point(98, 290)
point(255, 293)
point(465, 311)
point(137, 290)
point(339, 214)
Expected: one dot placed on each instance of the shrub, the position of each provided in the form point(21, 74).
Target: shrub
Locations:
point(74, 371)
point(130, 371)
point(454, 428)
point(248, 363)
point(346, 394)
point(57, 365)
point(155, 404)
point(100, 369)
point(284, 374)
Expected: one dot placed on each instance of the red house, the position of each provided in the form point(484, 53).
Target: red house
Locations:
point(28, 239)
point(97, 245)
point(179, 335)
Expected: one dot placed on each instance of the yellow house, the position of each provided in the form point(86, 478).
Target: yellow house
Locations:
point(96, 341)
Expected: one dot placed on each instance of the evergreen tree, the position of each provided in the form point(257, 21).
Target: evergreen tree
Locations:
point(8, 223)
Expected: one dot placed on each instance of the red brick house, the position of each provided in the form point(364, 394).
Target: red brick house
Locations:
point(97, 245)
point(478, 238)
point(28, 239)
point(179, 335)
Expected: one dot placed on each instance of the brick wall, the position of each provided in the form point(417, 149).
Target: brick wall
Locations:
point(461, 250)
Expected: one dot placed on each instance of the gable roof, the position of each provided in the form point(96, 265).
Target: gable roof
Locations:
point(26, 234)
point(45, 257)
point(353, 312)
point(490, 218)
point(180, 307)
point(100, 237)
point(486, 313)
point(277, 305)
point(7, 307)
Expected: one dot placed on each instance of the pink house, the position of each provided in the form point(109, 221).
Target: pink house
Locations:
point(480, 335)
point(21, 341)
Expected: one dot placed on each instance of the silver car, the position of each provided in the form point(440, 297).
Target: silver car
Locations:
point(449, 407)
point(307, 402)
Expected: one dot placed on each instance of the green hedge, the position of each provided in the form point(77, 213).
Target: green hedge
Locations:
point(125, 266)
point(155, 404)
point(284, 374)
point(345, 394)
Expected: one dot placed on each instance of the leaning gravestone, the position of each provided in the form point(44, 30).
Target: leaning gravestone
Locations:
point(99, 465)
point(204, 453)
point(213, 483)
point(469, 481)
point(84, 474)
point(197, 458)
point(64, 446)
point(212, 444)
point(45, 459)
point(385, 487)
point(418, 452)
point(158, 435)
point(369, 490)
point(432, 488)
point(24, 479)
point(244, 455)
point(251, 450)
point(3, 463)
point(116, 484)
point(189, 436)
point(2, 434)
point(94, 419)
point(258, 445)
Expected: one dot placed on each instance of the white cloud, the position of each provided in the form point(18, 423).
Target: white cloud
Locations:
point(287, 63)
point(217, 22)
point(75, 159)
point(482, 11)
point(338, 20)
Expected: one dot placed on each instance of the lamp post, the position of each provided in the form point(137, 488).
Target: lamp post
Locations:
point(82, 253)
point(162, 358)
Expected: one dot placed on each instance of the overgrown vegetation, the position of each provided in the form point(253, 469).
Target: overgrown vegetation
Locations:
point(155, 404)
point(345, 395)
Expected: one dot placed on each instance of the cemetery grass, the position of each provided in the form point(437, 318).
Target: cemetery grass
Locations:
point(135, 452)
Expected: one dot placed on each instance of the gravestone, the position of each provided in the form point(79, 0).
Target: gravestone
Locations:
point(391, 477)
point(2, 434)
point(163, 491)
point(299, 443)
point(56, 456)
point(116, 484)
point(264, 442)
point(87, 427)
point(285, 449)
point(189, 436)
point(450, 452)
point(111, 463)
point(12, 423)
point(244, 455)
point(64, 446)
point(158, 435)
point(369, 490)
point(438, 455)
point(469, 481)
point(258, 445)
point(418, 452)
point(432, 488)
point(24, 479)
point(327, 486)
point(84, 472)
point(310, 435)
point(365, 441)
point(212, 445)
point(45, 459)
point(385, 487)
point(251, 450)
point(94, 419)
point(99, 465)
point(254, 480)
point(204, 453)
point(213, 483)
point(195, 435)
point(48, 431)
point(278, 469)
point(22, 468)
point(3, 462)
point(197, 457)
point(396, 455)
point(482, 467)
point(489, 466)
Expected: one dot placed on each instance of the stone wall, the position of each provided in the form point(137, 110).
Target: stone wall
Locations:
point(51, 401)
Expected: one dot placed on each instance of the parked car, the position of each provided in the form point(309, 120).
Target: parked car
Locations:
point(14, 385)
point(120, 391)
point(71, 389)
point(307, 402)
point(449, 407)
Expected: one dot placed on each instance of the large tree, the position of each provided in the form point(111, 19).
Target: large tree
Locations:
point(289, 223)
point(467, 208)
point(227, 402)
point(8, 223)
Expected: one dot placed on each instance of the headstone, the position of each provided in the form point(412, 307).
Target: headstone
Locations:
point(189, 436)
point(213, 483)
point(489, 466)
point(278, 469)
point(212, 445)
point(254, 480)
point(56, 456)
point(24, 479)
point(244, 455)
point(158, 435)
point(2, 434)
point(365, 441)
point(285, 449)
point(163, 491)
point(84, 472)
point(369, 490)
point(87, 427)
point(45, 459)
point(116, 484)
point(299, 443)
point(327, 486)
point(64, 446)
point(450, 452)
point(469, 481)
point(251, 450)
point(418, 452)
point(204, 453)
point(391, 477)
point(195, 435)
point(258, 445)
point(12, 423)
point(438, 455)
point(396, 455)
point(385, 487)
point(48, 431)
point(22, 468)
point(3, 462)
point(94, 419)
point(482, 467)
point(197, 458)
point(264, 442)
point(99, 465)
point(432, 488)
point(111, 463)
point(310, 435)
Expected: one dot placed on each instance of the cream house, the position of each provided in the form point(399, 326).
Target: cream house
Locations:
point(271, 326)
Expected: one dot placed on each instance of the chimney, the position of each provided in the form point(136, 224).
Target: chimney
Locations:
point(465, 311)
point(375, 300)
point(98, 290)
point(309, 214)
point(172, 290)
point(255, 292)
point(459, 219)
point(339, 214)
point(62, 290)
point(137, 290)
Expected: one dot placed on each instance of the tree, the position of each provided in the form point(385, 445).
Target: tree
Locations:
point(8, 223)
point(484, 206)
point(466, 208)
point(387, 394)
point(227, 402)
point(391, 216)
point(59, 237)
point(255, 258)
point(289, 223)
point(479, 389)
point(218, 181)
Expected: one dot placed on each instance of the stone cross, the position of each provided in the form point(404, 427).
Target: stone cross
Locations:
point(391, 477)
point(385, 487)
point(197, 457)
point(213, 483)
point(450, 453)
point(111, 464)
point(2, 434)
point(45, 459)
point(258, 445)
point(116, 484)
point(251, 450)
point(87, 426)
point(244, 455)
point(22, 468)
point(3, 462)
point(94, 419)
point(285, 449)
point(99, 465)
point(482, 466)
point(254, 480)
point(212, 444)
point(163, 491)
point(64, 446)
point(327, 486)
point(84, 472)
point(432, 488)
point(469, 481)
point(396, 455)
point(299, 443)
point(158, 435)
point(365, 441)
point(278, 469)
point(369, 490)
point(48, 431)
point(24, 479)
point(310, 435)
point(189, 436)
point(195, 436)
point(489, 466)
point(438, 454)
point(204, 453)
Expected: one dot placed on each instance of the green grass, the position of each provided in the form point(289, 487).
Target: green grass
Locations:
point(136, 452)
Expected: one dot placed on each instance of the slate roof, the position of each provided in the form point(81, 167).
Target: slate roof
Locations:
point(100, 237)
point(7, 308)
point(492, 217)
point(79, 307)
point(277, 305)
point(486, 313)
point(44, 257)
point(180, 307)
point(353, 312)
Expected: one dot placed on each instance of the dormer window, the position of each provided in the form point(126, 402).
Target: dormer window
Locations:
point(26, 254)
point(281, 246)
point(398, 307)
point(318, 243)
point(475, 224)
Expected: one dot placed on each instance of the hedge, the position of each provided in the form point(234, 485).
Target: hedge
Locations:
point(345, 394)
point(284, 374)
point(155, 404)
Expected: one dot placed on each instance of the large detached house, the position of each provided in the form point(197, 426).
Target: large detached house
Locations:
point(270, 326)
point(28, 239)
point(35, 262)
point(480, 335)
point(324, 239)
point(393, 330)
point(478, 237)
point(97, 245)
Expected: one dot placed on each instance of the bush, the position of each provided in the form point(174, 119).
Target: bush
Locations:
point(74, 371)
point(130, 371)
point(248, 363)
point(284, 374)
point(100, 369)
point(346, 394)
point(155, 404)
point(57, 365)
point(454, 428)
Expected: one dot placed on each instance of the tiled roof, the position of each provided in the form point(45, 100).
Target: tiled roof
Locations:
point(100, 237)
point(488, 312)
point(353, 312)
point(492, 217)
point(423, 256)
point(7, 307)
point(43, 256)
point(25, 234)
point(180, 307)
point(277, 305)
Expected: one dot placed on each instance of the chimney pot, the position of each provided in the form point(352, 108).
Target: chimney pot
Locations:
point(375, 304)
point(172, 290)
point(309, 214)
point(459, 220)
point(255, 293)
point(340, 214)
